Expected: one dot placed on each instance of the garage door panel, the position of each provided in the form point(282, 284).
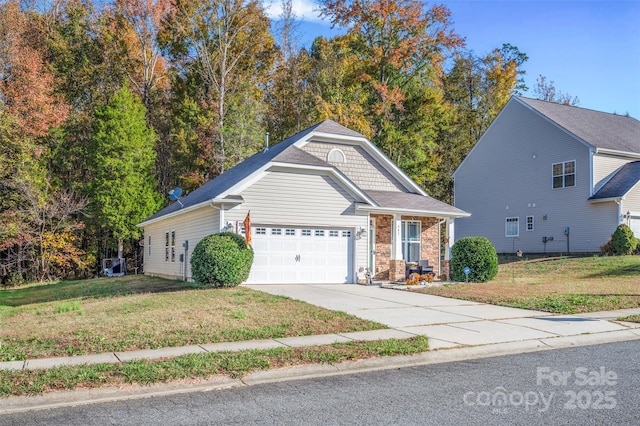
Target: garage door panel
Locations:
point(301, 255)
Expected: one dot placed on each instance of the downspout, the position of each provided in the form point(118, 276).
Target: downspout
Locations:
point(620, 216)
point(221, 223)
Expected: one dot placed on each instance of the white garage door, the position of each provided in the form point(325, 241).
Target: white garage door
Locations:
point(634, 224)
point(301, 255)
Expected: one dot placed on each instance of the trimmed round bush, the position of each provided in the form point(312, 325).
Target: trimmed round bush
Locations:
point(623, 241)
point(479, 255)
point(221, 260)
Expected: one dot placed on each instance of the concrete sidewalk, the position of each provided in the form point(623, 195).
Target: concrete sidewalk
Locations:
point(449, 323)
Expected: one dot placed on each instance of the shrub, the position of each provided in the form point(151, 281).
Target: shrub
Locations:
point(623, 241)
point(221, 260)
point(478, 254)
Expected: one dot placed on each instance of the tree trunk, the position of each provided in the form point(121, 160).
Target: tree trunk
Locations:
point(120, 248)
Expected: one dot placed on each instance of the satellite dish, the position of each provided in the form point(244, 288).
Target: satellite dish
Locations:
point(174, 195)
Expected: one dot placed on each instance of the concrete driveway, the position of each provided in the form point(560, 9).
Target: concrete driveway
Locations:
point(447, 322)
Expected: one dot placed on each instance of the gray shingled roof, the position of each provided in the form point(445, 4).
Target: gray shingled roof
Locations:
point(598, 129)
point(282, 152)
point(394, 200)
point(620, 183)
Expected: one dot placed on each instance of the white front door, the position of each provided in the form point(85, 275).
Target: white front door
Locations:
point(301, 255)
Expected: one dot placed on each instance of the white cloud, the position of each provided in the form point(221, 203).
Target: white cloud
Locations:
point(303, 10)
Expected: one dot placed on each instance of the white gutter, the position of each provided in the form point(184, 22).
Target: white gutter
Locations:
point(191, 208)
point(409, 212)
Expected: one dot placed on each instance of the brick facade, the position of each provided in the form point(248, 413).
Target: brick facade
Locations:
point(429, 245)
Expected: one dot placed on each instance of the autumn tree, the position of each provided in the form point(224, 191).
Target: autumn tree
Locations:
point(123, 191)
point(546, 91)
point(225, 49)
point(290, 97)
point(476, 88)
point(399, 50)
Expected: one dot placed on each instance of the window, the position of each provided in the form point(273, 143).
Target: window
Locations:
point(290, 232)
point(529, 223)
point(336, 156)
point(411, 240)
point(512, 228)
point(319, 233)
point(166, 246)
point(149, 245)
point(346, 234)
point(564, 174)
point(306, 232)
point(276, 231)
point(261, 231)
point(334, 233)
point(173, 246)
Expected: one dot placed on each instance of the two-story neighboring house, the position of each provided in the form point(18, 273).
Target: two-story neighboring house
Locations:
point(546, 177)
point(325, 206)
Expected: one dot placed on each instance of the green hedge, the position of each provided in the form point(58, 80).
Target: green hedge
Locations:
point(478, 254)
point(221, 260)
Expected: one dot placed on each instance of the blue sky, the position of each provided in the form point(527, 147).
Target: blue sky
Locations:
point(590, 49)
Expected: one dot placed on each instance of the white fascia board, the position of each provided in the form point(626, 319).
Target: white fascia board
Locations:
point(338, 176)
point(389, 165)
point(617, 153)
point(191, 208)
point(607, 200)
point(411, 212)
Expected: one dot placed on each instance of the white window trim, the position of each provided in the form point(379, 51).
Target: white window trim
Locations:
point(533, 224)
point(172, 244)
point(343, 159)
point(506, 226)
point(405, 242)
point(575, 173)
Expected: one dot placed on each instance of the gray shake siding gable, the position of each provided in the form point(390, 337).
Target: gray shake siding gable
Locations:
point(509, 174)
point(359, 166)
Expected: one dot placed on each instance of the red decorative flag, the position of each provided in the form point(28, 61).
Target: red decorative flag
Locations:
point(247, 228)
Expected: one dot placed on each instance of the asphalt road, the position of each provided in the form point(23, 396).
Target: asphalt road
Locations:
point(589, 385)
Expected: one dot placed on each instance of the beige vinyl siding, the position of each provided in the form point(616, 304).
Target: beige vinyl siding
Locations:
point(359, 166)
point(191, 226)
point(631, 202)
point(302, 199)
point(509, 174)
point(604, 166)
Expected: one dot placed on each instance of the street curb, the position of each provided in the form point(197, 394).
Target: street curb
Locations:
point(111, 394)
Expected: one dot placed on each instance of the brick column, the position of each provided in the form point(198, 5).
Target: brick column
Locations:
point(396, 270)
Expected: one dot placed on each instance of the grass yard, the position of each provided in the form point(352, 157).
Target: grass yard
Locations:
point(557, 284)
point(139, 312)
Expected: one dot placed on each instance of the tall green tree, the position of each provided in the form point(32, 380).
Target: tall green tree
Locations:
point(122, 159)
point(223, 48)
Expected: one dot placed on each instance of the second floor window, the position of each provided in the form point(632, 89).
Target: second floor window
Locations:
point(564, 174)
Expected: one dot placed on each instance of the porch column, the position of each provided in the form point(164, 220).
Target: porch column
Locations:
point(396, 263)
point(449, 238)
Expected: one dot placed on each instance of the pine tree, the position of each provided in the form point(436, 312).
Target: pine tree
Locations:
point(122, 159)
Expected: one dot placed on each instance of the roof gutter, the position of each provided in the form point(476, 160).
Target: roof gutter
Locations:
point(191, 208)
point(619, 153)
point(411, 212)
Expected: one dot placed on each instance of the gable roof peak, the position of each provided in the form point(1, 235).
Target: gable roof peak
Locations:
point(330, 126)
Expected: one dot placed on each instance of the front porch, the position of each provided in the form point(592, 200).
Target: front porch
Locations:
point(398, 239)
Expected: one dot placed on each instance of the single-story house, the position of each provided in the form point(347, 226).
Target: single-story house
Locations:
point(326, 206)
point(547, 177)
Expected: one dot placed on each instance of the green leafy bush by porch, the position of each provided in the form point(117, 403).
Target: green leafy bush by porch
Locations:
point(221, 260)
point(623, 242)
point(479, 255)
